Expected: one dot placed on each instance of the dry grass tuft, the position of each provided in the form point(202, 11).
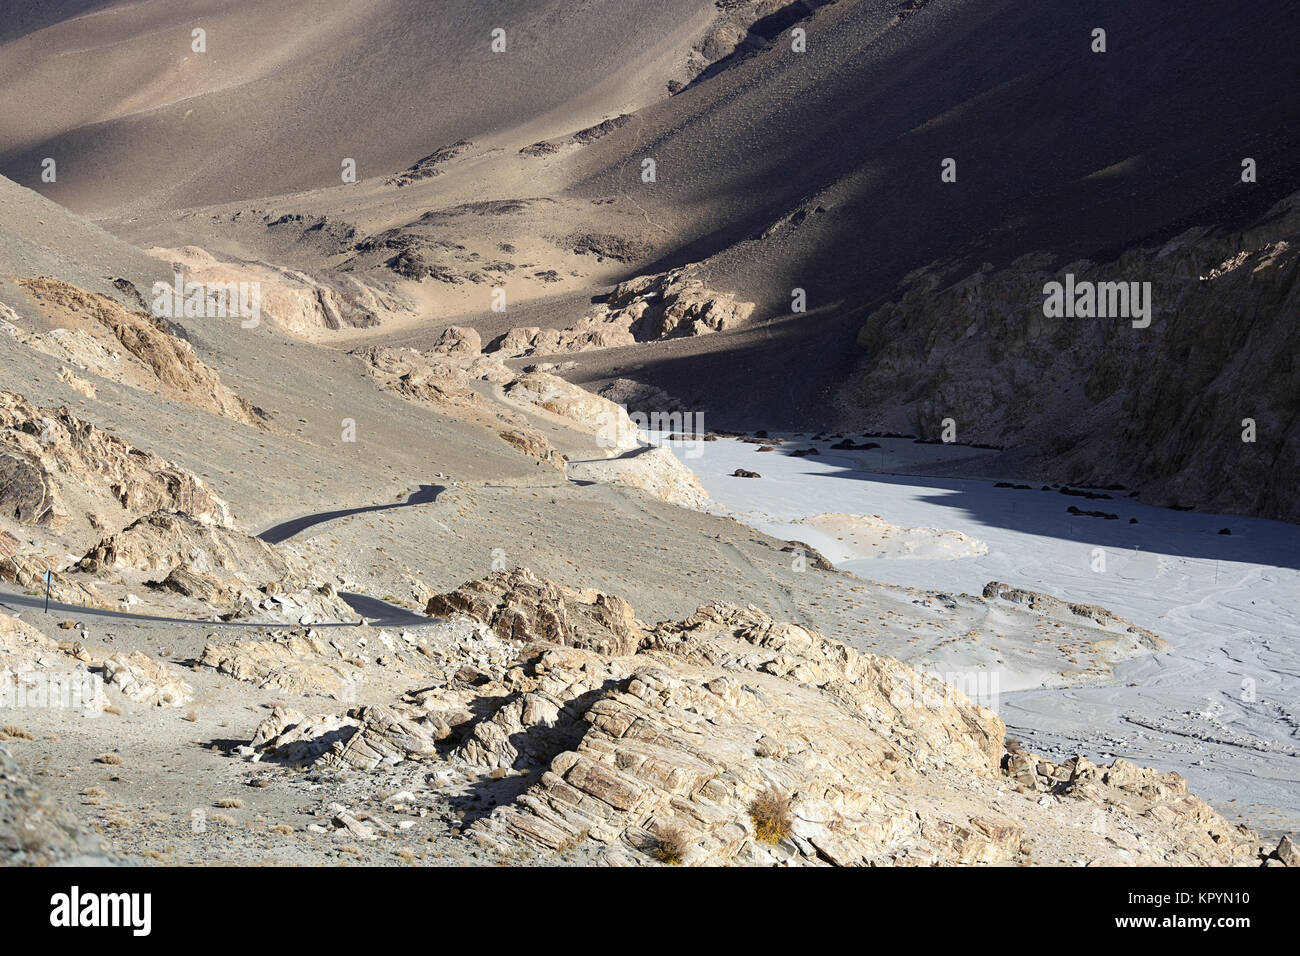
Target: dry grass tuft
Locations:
point(672, 846)
point(112, 760)
point(771, 815)
point(14, 732)
point(230, 803)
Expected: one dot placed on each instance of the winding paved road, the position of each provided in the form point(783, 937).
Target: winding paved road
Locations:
point(372, 610)
point(423, 495)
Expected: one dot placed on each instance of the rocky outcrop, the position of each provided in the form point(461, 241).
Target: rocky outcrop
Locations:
point(56, 468)
point(733, 738)
point(655, 471)
point(290, 662)
point(533, 445)
point(1200, 408)
point(309, 305)
point(430, 165)
point(36, 671)
point(144, 680)
point(220, 568)
point(133, 348)
point(742, 28)
point(582, 137)
point(644, 309)
point(292, 738)
point(443, 377)
point(422, 377)
point(607, 422)
point(22, 646)
point(519, 606)
point(676, 303)
point(26, 567)
point(459, 340)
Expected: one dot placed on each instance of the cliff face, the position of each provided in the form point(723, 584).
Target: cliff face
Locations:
point(1166, 409)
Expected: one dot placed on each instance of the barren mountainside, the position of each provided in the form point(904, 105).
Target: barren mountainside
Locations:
point(649, 433)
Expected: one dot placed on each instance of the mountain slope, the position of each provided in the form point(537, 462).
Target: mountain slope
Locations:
point(285, 91)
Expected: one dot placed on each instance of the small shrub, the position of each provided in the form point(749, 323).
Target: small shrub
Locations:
point(112, 760)
point(406, 856)
point(225, 819)
point(672, 846)
point(571, 843)
point(230, 803)
point(283, 829)
point(771, 815)
point(14, 732)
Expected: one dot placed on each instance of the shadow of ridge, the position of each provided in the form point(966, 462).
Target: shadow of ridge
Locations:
point(1159, 531)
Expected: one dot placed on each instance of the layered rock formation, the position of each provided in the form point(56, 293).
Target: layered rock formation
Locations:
point(22, 647)
point(295, 663)
point(445, 378)
point(304, 304)
point(518, 606)
point(98, 335)
point(144, 680)
point(430, 165)
point(733, 738)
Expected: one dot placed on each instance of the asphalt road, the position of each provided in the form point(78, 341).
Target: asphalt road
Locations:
point(373, 610)
point(425, 494)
